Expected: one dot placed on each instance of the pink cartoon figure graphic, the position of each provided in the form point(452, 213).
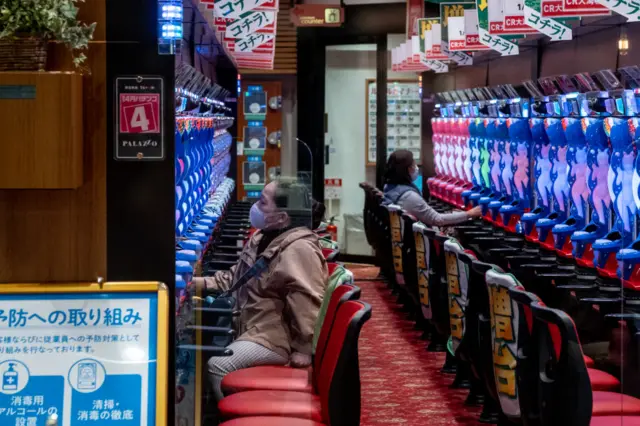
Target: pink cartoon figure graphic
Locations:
point(601, 196)
point(507, 171)
point(624, 179)
point(543, 171)
point(561, 186)
point(579, 189)
point(521, 175)
point(495, 168)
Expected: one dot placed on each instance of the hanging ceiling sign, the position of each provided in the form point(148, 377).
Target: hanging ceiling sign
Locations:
point(252, 42)
point(416, 53)
point(415, 11)
point(433, 44)
point(460, 58)
point(630, 9)
point(572, 8)
point(514, 22)
point(498, 12)
point(250, 23)
point(457, 37)
point(550, 27)
point(495, 42)
point(256, 65)
point(412, 55)
point(424, 26)
point(471, 31)
point(232, 9)
point(438, 67)
point(451, 10)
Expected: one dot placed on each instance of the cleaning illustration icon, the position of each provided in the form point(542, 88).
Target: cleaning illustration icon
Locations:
point(15, 376)
point(87, 375)
point(10, 378)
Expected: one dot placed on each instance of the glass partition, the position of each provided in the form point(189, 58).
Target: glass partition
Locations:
point(210, 307)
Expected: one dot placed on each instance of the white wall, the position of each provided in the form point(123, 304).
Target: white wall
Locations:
point(347, 69)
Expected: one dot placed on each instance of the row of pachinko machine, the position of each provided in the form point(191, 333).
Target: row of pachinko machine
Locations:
point(203, 189)
point(554, 160)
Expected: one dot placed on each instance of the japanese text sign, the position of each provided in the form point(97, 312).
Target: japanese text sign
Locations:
point(433, 43)
point(514, 21)
point(471, 31)
point(547, 26)
point(457, 38)
point(507, 17)
point(251, 42)
point(424, 26)
point(250, 23)
point(495, 42)
point(139, 121)
point(234, 9)
point(572, 8)
point(448, 10)
point(437, 66)
point(85, 355)
point(630, 9)
point(460, 58)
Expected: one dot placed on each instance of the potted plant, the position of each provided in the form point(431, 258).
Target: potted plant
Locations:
point(26, 26)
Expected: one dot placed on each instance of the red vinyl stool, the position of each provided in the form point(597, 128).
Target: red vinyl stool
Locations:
point(588, 361)
point(336, 397)
point(268, 377)
point(614, 404)
point(271, 403)
point(270, 421)
point(609, 421)
point(601, 381)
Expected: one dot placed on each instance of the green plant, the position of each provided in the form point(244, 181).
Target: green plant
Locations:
point(51, 20)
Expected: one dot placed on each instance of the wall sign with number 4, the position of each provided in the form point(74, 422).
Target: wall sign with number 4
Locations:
point(139, 125)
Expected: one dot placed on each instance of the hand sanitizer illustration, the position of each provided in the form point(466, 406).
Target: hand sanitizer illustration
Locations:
point(87, 375)
point(10, 379)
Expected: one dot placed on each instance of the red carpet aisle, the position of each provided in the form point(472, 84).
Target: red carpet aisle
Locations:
point(401, 382)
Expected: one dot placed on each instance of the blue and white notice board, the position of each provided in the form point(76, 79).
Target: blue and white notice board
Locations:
point(83, 354)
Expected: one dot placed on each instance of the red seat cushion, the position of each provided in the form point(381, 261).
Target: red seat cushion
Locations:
point(271, 403)
point(609, 421)
point(601, 381)
point(270, 421)
point(588, 361)
point(615, 404)
point(268, 377)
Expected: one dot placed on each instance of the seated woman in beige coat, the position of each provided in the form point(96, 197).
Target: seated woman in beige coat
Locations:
point(279, 307)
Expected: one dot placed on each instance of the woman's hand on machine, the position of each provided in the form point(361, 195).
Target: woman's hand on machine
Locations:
point(475, 212)
point(299, 360)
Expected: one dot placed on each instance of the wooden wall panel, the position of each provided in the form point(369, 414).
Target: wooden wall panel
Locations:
point(439, 83)
point(473, 76)
point(273, 123)
point(285, 61)
point(512, 70)
point(588, 53)
point(60, 235)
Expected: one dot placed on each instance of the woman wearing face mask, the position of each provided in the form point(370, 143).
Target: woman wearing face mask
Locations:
point(279, 307)
point(399, 189)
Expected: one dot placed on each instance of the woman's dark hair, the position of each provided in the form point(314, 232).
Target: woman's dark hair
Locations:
point(397, 172)
point(317, 214)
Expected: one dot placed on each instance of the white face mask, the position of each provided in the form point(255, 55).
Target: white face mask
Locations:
point(270, 221)
point(257, 217)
